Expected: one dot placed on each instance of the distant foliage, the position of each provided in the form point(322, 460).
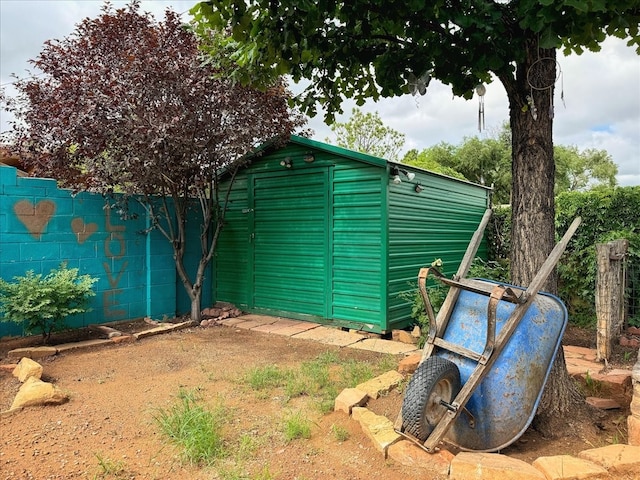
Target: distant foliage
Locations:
point(45, 302)
point(607, 214)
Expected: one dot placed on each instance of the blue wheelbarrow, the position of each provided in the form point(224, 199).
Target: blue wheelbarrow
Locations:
point(486, 358)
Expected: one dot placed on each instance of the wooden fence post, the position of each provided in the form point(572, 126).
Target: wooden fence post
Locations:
point(610, 285)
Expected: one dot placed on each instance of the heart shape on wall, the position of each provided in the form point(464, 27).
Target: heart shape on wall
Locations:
point(83, 230)
point(34, 217)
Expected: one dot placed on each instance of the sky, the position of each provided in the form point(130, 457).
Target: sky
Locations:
point(597, 96)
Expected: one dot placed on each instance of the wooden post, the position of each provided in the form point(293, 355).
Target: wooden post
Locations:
point(610, 285)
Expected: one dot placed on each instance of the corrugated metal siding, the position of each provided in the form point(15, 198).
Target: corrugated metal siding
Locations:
point(436, 223)
point(231, 264)
point(290, 241)
point(358, 288)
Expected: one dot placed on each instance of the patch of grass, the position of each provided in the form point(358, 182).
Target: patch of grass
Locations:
point(340, 433)
point(194, 428)
point(296, 426)
point(109, 468)
point(269, 376)
point(592, 387)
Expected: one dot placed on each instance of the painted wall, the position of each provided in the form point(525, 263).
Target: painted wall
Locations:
point(42, 226)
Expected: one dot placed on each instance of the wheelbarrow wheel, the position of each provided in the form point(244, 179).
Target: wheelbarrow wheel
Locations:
point(435, 380)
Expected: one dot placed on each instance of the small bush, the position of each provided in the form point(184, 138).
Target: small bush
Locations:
point(45, 302)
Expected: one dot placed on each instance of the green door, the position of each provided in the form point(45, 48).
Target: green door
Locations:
point(289, 238)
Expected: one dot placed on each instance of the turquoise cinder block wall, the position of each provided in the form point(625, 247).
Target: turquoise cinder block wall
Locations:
point(42, 226)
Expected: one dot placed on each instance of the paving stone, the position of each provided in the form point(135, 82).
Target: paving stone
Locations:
point(330, 336)
point(491, 466)
point(381, 384)
point(411, 455)
point(299, 327)
point(379, 429)
point(164, 327)
point(349, 398)
point(255, 323)
point(617, 459)
point(584, 352)
point(633, 430)
point(603, 403)
point(32, 352)
point(384, 346)
point(232, 322)
point(410, 363)
point(566, 467)
point(279, 324)
point(65, 347)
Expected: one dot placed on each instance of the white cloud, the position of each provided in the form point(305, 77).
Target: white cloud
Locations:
point(601, 90)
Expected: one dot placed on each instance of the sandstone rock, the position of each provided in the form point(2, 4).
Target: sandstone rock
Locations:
point(349, 398)
point(617, 459)
point(491, 466)
point(8, 368)
point(566, 467)
point(379, 429)
point(123, 339)
point(36, 392)
point(416, 332)
point(381, 384)
point(411, 455)
point(409, 364)
point(403, 336)
point(27, 368)
point(633, 430)
point(602, 403)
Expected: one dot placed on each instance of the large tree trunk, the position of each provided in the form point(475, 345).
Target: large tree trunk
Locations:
point(533, 212)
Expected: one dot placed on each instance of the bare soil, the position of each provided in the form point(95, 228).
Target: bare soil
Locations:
point(116, 390)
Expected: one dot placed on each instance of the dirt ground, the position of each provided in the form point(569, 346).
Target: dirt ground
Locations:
point(116, 390)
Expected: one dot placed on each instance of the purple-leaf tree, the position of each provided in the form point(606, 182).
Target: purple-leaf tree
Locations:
point(125, 105)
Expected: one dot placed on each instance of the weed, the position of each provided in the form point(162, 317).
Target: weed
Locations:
point(296, 426)
point(340, 433)
point(193, 428)
point(109, 468)
point(592, 387)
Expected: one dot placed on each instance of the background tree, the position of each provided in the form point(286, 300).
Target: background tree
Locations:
point(366, 133)
point(124, 105)
point(579, 170)
point(434, 159)
point(371, 49)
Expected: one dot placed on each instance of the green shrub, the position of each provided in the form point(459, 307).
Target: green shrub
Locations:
point(45, 302)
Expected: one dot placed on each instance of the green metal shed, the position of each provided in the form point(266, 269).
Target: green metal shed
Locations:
point(321, 233)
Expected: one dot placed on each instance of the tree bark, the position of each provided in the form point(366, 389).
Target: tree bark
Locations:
point(533, 211)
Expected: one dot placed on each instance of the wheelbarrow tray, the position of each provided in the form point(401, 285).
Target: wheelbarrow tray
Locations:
point(504, 403)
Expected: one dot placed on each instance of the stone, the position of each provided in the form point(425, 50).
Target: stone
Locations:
point(566, 467)
point(403, 336)
point(381, 384)
point(8, 368)
point(632, 342)
point(36, 392)
point(603, 403)
point(633, 431)
point(491, 466)
point(617, 459)
point(33, 352)
point(635, 401)
point(379, 429)
point(411, 455)
point(416, 332)
point(409, 364)
point(633, 331)
point(27, 368)
point(358, 412)
point(349, 398)
point(123, 339)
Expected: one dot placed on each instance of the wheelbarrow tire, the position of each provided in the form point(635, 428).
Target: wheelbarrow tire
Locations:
point(435, 379)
